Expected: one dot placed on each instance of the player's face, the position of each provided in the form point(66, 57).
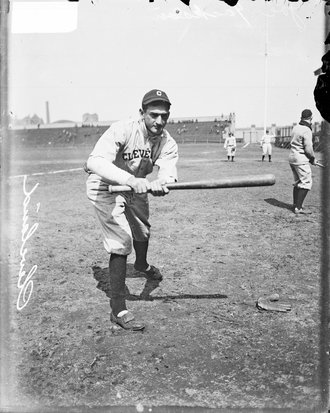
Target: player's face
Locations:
point(155, 117)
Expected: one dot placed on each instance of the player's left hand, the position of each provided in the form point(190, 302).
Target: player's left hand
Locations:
point(158, 188)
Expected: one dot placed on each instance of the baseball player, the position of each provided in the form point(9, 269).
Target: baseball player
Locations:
point(230, 145)
point(124, 155)
point(266, 145)
point(300, 158)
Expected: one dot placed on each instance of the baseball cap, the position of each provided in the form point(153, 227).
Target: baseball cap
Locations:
point(306, 113)
point(155, 95)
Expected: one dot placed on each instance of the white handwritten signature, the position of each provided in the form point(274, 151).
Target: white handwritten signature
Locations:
point(25, 283)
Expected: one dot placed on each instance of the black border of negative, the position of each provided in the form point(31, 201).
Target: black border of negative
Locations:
point(5, 310)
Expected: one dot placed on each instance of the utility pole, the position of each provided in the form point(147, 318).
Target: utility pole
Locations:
point(266, 70)
point(47, 113)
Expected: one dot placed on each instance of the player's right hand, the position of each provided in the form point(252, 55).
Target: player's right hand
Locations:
point(158, 188)
point(139, 185)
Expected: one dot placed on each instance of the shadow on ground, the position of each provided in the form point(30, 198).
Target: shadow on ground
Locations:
point(279, 204)
point(102, 277)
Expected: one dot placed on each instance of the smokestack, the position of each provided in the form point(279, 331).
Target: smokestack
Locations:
point(47, 113)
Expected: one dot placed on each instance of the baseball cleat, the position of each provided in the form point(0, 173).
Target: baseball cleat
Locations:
point(127, 322)
point(152, 274)
point(302, 211)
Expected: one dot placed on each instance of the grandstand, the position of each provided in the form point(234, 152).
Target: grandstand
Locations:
point(182, 130)
point(60, 136)
point(201, 129)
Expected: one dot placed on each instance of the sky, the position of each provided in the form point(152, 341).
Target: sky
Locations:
point(255, 59)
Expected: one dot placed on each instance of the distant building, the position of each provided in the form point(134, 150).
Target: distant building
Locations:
point(90, 119)
point(26, 121)
point(253, 134)
point(36, 120)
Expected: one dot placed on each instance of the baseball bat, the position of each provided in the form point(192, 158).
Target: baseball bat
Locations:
point(234, 182)
point(318, 163)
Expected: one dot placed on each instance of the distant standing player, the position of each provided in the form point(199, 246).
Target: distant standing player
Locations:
point(230, 145)
point(266, 145)
point(124, 155)
point(301, 158)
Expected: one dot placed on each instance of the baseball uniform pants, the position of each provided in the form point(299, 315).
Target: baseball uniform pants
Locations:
point(266, 149)
point(123, 216)
point(231, 150)
point(302, 176)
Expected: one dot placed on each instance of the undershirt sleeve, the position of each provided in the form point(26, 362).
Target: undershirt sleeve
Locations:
point(106, 149)
point(110, 142)
point(167, 161)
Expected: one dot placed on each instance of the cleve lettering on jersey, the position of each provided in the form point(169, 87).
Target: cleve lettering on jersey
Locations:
point(136, 153)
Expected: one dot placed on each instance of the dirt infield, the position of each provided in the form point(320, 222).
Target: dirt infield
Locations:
point(206, 343)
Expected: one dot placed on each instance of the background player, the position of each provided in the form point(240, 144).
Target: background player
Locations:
point(230, 145)
point(300, 158)
point(266, 145)
point(124, 155)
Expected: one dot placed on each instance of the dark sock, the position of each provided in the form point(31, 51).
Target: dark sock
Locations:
point(117, 273)
point(141, 249)
point(301, 195)
point(270, 158)
point(295, 195)
point(263, 158)
point(117, 305)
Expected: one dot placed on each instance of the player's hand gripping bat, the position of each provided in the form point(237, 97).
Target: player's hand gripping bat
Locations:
point(234, 182)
